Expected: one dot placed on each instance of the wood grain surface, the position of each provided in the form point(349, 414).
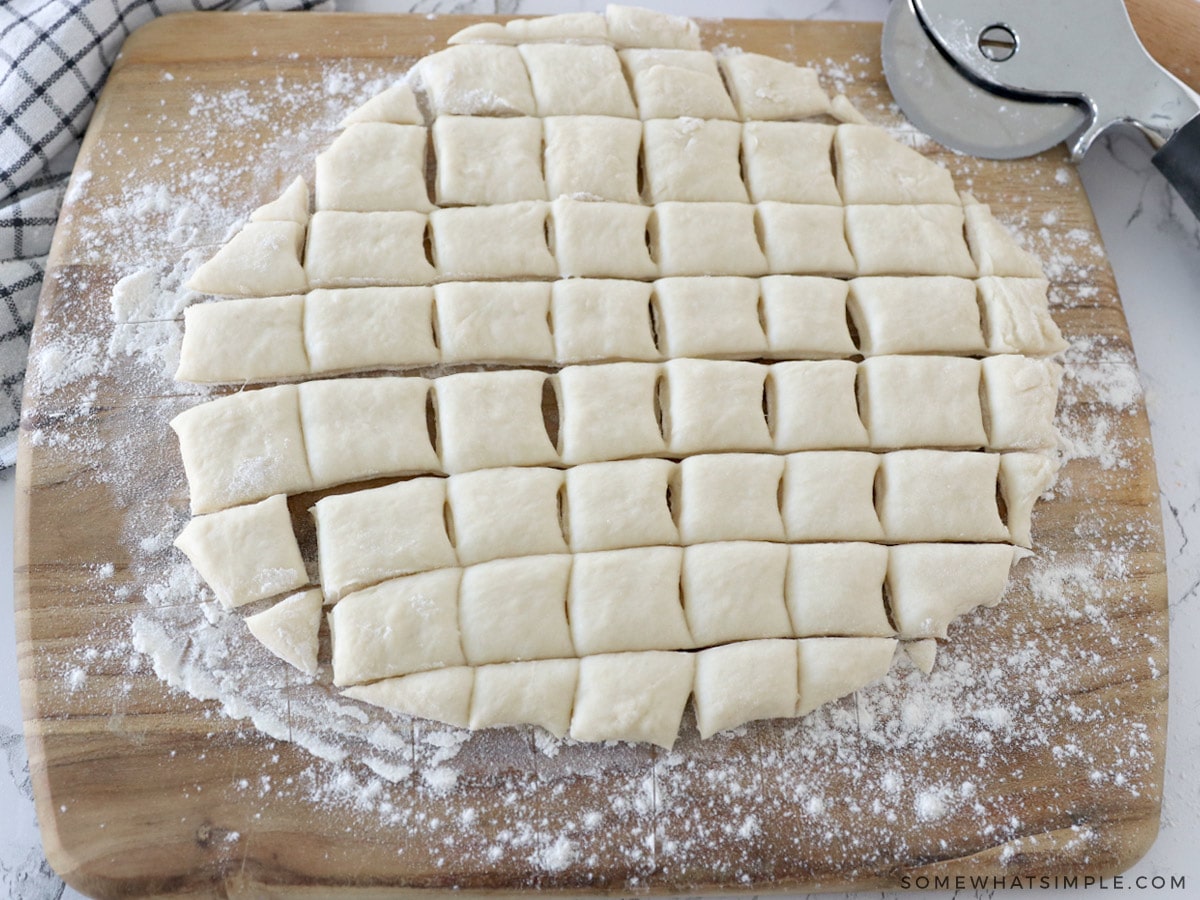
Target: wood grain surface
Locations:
point(140, 788)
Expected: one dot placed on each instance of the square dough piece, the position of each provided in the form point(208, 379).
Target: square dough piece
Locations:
point(873, 167)
point(714, 316)
point(812, 405)
point(711, 405)
point(1020, 396)
point(487, 321)
point(922, 314)
point(909, 240)
point(930, 585)
point(830, 496)
point(242, 448)
point(632, 697)
point(592, 158)
point(733, 591)
point(763, 87)
point(692, 159)
point(486, 160)
point(632, 26)
point(358, 428)
point(608, 412)
point(261, 260)
point(597, 319)
point(442, 695)
point(505, 512)
point(1016, 316)
point(804, 239)
point(355, 249)
point(705, 239)
point(729, 497)
point(744, 682)
point(790, 162)
point(492, 242)
point(369, 536)
point(577, 80)
point(601, 240)
point(511, 609)
point(921, 401)
point(374, 166)
point(612, 505)
point(369, 328)
point(671, 83)
point(401, 626)
point(805, 317)
point(245, 553)
point(244, 340)
point(476, 80)
point(541, 692)
point(831, 668)
point(935, 495)
point(488, 419)
point(621, 600)
point(837, 590)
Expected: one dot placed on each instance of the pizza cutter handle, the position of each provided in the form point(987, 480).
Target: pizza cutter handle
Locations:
point(1179, 160)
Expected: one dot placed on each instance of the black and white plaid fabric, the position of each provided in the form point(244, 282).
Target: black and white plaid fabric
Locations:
point(54, 57)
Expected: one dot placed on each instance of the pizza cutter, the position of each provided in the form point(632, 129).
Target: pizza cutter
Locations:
point(1009, 78)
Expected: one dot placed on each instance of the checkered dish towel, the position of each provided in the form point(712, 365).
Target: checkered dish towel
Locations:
point(54, 57)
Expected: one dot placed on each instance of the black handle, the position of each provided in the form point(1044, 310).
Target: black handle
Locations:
point(1179, 160)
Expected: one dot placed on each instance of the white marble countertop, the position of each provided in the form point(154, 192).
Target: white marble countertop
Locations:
point(1154, 245)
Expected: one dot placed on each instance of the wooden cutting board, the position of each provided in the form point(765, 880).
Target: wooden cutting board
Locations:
point(1051, 763)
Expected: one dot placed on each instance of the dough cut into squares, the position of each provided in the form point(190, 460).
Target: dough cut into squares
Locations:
point(540, 692)
point(486, 321)
point(244, 340)
point(930, 585)
point(790, 162)
point(1016, 316)
point(261, 260)
point(597, 319)
point(489, 419)
point(612, 505)
point(829, 495)
point(671, 91)
point(359, 249)
point(993, 247)
point(513, 609)
point(938, 495)
point(374, 166)
point(714, 316)
point(620, 600)
point(442, 695)
point(246, 553)
point(608, 412)
point(592, 158)
point(577, 80)
point(401, 626)
point(921, 401)
point(837, 590)
point(733, 591)
point(499, 242)
point(745, 682)
point(476, 80)
point(290, 206)
point(290, 629)
point(397, 104)
point(729, 497)
point(601, 240)
point(505, 512)
point(369, 328)
point(763, 87)
point(261, 448)
point(632, 697)
point(563, 27)
point(710, 405)
point(812, 405)
point(905, 239)
point(632, 26)
point(705, 239)
point(369, 536)
point(359, 428)
point(805, 317)
point(831, 668)
point(1020, 396)
point(874, 167)
point(486, 160)
point(1024, 477)
point(804, 239)
point(922, 314)
point(693, 159)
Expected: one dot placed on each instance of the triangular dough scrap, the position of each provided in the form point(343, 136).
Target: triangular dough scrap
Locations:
point(844, 111)
point(290, 206)
point(572, 27)
point(922, 653)
point(261, 260)
point(397, 105)
point(830, 668)
point(290, 629)
point(632, 26)
point(443, 695)
point(1023, 478)
point(993, 247)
